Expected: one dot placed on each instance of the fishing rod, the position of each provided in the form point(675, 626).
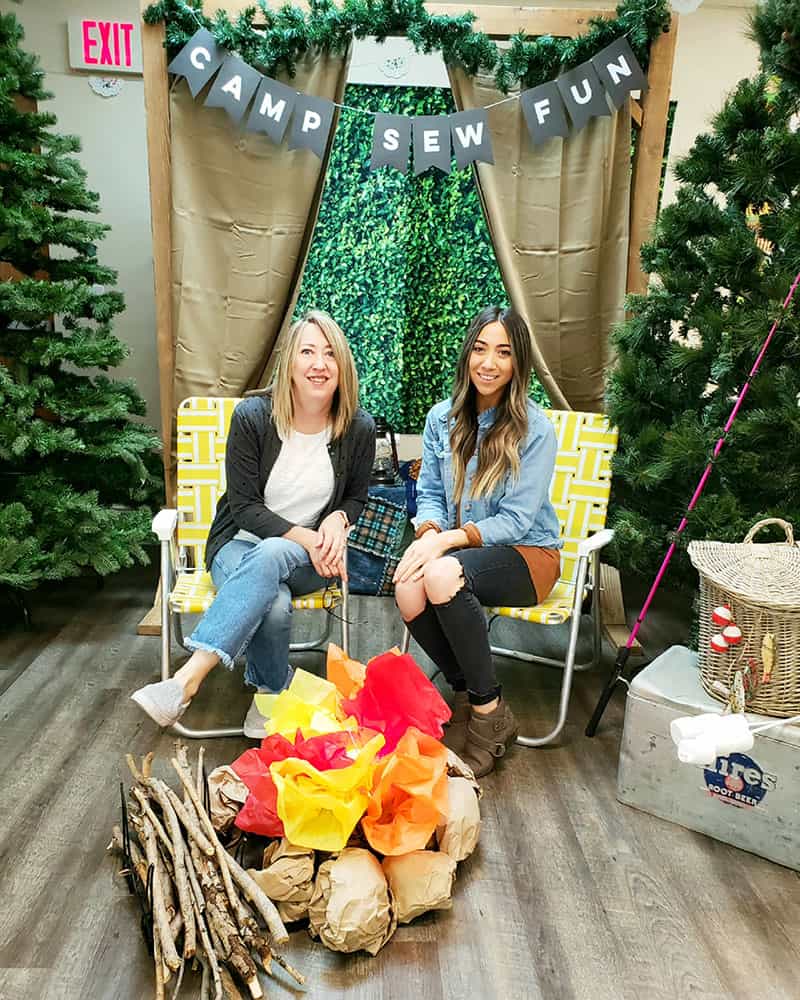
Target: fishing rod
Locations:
point(617, 674)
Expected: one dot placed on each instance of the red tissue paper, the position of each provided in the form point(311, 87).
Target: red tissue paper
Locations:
point(397, 694)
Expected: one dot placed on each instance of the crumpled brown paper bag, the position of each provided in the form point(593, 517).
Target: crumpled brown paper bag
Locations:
point(352, 907)
point(227, 794)
point(287, 877)
point(459, 834)
point(420, 881)
point(457, 768)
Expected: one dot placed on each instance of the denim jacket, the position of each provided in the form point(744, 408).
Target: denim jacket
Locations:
point(519, 511)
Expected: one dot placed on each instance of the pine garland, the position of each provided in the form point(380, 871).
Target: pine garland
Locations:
point(274, 40)
point(775, 27)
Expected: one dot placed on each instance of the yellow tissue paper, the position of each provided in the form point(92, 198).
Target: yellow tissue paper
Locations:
point(310, 704)
point(320, 809)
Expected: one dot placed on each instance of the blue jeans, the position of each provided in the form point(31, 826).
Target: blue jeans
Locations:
point(252, 611)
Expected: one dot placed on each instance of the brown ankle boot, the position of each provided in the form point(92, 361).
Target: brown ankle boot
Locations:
point(455, 731)
point(489, 735)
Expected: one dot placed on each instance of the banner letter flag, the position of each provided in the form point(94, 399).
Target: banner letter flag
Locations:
point(198, 60)
point(272, 109)
point(619, 71)
point(235, 84)
point(311, 125)
point(583, 95)
point(471, 140)
point(391, 141)
point(431, 143)
point(544, 113)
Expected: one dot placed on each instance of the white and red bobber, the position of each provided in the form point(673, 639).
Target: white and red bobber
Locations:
point(718, 643)
point(722, 615)
point(732, 635)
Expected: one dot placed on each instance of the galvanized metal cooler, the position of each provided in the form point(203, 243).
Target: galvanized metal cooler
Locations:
point(748, 800)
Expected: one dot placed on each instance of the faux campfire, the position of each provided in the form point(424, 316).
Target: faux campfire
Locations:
point(363, 812)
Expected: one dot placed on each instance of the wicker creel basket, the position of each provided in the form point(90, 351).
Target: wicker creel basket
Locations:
point(761, 584)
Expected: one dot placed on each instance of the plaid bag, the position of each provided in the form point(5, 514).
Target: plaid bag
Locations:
point(376, 541)
point(380, 528)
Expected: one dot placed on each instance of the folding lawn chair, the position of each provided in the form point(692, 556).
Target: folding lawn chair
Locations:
point(186, 586)
point(579, 493)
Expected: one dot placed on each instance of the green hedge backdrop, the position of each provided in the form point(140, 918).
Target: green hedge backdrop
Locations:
point(401, 262)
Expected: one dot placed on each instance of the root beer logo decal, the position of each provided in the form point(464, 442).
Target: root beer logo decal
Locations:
point(738, 780)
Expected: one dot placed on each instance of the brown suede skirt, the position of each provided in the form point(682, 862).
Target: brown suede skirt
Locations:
point(544, 566)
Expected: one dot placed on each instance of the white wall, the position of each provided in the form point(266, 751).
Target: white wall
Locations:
point(713, 54)
point(112, 133)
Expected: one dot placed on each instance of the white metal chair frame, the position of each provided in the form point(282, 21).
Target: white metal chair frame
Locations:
point(587, 579)
point(164, 526)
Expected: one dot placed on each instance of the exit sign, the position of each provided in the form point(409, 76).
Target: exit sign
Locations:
point(104, 46)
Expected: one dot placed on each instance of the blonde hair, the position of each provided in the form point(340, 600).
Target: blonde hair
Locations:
point(500, 448)
point(345, 399)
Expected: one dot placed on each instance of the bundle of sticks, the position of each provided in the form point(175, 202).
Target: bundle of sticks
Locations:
point(205, 906)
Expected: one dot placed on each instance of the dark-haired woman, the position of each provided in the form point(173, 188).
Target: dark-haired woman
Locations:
point(487, 533)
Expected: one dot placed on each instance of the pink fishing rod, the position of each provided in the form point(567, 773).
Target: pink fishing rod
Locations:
point(625, 651)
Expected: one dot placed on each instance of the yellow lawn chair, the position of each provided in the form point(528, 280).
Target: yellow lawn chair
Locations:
point(579, 493)
point(186, 586)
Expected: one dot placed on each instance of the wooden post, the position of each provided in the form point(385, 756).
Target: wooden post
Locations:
point(151, 623)
point(650, 152)
point(156, 99)
point(502, 21)
point(156, 96)
point(612, 610)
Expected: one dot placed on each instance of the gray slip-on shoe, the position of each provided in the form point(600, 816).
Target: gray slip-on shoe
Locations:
point(255, 723)
point(163, 701)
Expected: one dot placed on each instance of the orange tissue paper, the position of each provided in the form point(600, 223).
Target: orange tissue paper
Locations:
point(409, 795)
point(347, 675)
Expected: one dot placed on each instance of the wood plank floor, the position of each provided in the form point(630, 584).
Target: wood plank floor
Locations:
point(570, 894)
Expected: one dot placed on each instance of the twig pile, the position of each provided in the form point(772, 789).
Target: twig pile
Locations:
point(202, 899)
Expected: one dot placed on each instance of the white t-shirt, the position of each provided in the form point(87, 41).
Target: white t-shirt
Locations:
point(300, 483)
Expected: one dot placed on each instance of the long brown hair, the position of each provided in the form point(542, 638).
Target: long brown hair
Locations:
point(345, 399)
point(500, 447)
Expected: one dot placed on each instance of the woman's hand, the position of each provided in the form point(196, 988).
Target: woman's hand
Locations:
point(417, 556)
point(331, 544)
point(310, 540)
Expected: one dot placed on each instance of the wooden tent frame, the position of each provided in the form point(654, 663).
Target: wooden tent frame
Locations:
point(649, 115)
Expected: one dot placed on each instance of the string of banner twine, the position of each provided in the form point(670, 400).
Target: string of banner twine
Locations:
point(374, 114)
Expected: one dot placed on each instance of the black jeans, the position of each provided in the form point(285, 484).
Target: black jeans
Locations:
point(455, 634)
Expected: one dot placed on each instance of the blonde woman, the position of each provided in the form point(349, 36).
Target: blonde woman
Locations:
point(298, 464)
point(487, 533)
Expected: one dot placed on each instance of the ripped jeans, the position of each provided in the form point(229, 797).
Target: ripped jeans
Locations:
point(456, 635)
point(252, 611)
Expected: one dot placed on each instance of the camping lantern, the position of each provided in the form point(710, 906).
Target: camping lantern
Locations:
point(386, 467)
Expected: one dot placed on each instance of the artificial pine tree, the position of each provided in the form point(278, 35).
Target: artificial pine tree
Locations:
point(75, 470)
point(724, 255)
